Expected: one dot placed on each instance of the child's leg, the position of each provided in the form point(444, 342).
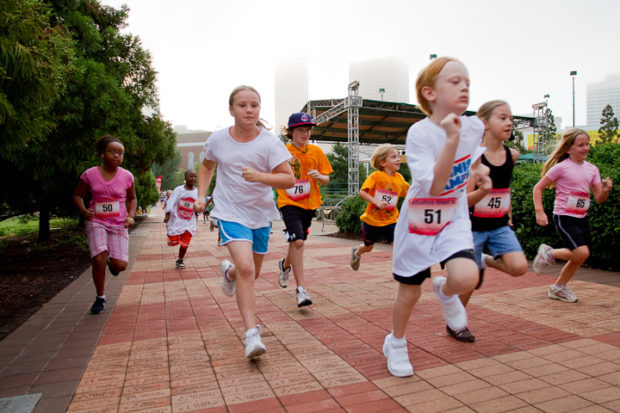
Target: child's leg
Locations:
point(258, 264)
point(98, 263)
point(574, 260)
point(406, 298)
point(363, 249)
point(182, 251)
point(243, 273)
point(295, 258)
point(512, 263)
point(462, 276)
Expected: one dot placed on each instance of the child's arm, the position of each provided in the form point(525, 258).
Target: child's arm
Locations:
point(601, 190)
point(372, 200)
point(205, 173)
point(131, 203)
point(79, 193)
point(323, 179)
point(281, 177)
point(479, 173)
point(451, 124)
point(474, 195)
point(541, 217)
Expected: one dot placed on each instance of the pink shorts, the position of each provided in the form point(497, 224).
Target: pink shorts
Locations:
point(111, 238)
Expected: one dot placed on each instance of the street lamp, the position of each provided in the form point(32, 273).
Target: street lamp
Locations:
point(573, 73)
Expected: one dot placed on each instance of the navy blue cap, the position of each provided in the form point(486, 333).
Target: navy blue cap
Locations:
point(300, 119)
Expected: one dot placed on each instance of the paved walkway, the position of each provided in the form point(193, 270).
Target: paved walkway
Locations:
point(169, 340)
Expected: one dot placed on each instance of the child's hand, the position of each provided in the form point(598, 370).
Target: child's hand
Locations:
point(382, 205)
point(199, 206)
point(607, 184)
point(541, 218)
point(88, 214)
point(250, 174)
point(480, 175)
point(314, 173)
point(451, 124)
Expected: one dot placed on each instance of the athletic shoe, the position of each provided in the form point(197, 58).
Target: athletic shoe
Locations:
point(463, 335)
point(254, 346)
point(453, 310)
point(542, 259)
point(397, 358)
point(284, 273)
point(114, 273)
point(562, 293)
point(98, 306)
point(355, 260)
point(180, 264)
point(483, 260)
point(228, 285)
point(303, 298)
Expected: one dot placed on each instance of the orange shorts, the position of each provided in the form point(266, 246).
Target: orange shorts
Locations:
point(182, 239)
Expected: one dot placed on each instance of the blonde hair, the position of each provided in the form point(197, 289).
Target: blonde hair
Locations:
point(486, 110)
point(380, 154)
point(231, 99)
point(561, 151)
point(428, 77)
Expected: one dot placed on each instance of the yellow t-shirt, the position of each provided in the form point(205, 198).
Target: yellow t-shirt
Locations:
point(386, 188)
point(305, 193)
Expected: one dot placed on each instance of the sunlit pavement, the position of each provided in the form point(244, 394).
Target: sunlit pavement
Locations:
point(171, 341)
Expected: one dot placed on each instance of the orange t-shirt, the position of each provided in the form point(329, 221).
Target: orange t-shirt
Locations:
point(305, 193)
point(386, 188)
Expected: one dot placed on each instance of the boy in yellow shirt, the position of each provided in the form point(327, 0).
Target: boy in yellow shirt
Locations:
point(381, 190)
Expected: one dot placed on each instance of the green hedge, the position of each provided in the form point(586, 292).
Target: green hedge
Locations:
point(604, 218)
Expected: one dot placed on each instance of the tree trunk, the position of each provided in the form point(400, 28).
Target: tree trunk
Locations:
point(44, 223)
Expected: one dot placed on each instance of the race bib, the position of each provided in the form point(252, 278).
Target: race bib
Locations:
point(107, 209)
point(299, 191)
point(578, 203)
point(389, 197)
point(428, 216)
point(495, 204)
point(185, 208)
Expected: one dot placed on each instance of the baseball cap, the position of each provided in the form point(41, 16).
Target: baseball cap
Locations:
point(300, 119)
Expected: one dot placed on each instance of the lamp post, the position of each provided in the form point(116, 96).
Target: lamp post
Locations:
point(573, 73)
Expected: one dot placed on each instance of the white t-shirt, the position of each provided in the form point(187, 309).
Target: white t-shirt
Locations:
point(180, 205)
point(440, 225)
point(248, 203)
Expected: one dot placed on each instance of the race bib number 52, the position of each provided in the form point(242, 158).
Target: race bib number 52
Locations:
point(428, 216)
point(389, 197)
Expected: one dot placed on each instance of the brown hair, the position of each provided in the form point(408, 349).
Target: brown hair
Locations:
point(231, 99)
point(427, 77)
point(561, 151)
point(380, 154)
point(102, 143)
point(486, 110)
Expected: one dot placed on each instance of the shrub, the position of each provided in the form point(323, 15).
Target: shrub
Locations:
point(348, 218)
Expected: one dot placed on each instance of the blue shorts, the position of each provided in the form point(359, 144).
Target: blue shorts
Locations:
point(232, 231)
point(499, 241)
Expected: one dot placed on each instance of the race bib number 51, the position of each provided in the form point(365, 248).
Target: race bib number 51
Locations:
point(299, 191)
point(428, 216)
point(107, 209)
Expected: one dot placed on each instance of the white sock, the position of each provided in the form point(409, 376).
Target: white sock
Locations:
point(398, 341)
point(101, 296)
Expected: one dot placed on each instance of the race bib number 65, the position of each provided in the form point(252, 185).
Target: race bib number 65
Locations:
point(428, 216)
point(578, 203)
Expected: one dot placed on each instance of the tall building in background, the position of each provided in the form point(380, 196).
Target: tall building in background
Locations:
point(382, 79)
point(601, 94)
point(291, 89)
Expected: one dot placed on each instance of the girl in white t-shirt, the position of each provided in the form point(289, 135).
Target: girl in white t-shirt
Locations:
point(434, 226)
point(250, 161)
point(573, 177)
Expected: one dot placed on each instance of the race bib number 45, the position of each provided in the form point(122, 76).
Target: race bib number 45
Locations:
point(389, 197)
point(428, 216)
point(299, 191)
point(107, 209)
point(578, 203)
point(495, 204)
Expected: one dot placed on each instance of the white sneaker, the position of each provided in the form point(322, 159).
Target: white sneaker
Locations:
point(453, 310)
point(563, 293)
point(483, 260)
point(228, 286)
point(542, 259)
point(254, 346)
point(397, 358)
point(303, 298)
point(355, 260)
point(284, 273)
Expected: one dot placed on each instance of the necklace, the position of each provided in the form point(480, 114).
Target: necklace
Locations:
point(301, 150)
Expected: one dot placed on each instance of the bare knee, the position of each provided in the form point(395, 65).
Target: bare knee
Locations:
point(298, 244)
point(518, 268)
point(580, 255)
point(244, 270)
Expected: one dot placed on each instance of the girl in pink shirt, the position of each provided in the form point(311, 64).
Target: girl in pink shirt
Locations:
point(573, 177)
point(110, 212)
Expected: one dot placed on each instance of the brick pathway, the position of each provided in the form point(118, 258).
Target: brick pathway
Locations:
point(170, 341)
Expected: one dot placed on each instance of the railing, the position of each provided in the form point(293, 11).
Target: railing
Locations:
point(329, 210)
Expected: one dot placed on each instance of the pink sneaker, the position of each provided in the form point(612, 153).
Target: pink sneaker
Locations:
point(562, 293)
point(542, 259)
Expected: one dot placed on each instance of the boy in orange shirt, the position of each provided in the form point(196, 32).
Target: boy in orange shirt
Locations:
point(381, 190)
point(298, 204)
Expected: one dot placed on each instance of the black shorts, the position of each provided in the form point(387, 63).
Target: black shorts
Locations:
point(372, 234)
point(419, 278)
point(575, 232)
point(297, 221)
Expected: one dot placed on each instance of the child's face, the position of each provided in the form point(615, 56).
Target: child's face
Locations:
point(113, 154)
point(392, 162)
point(191, 179)
point(245, 108)
point(580, 148)
point(301, 134)
point(450, 94)
point(500, 123)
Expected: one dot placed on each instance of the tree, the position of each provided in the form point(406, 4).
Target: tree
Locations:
point(339, 178)
point(171, 175)
point(609, 125)
point(549, 132)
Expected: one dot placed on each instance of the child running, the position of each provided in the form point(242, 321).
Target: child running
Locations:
point(298, 204)
point(573, 177)
point(490, 207)
point(111, 211)
point(442, 151)
point(180, 217)
point(381, 190)
point(250, 160)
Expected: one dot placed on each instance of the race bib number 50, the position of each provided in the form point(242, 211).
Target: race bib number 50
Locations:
point(107, 209)
point(428, 216)
point(299, 191)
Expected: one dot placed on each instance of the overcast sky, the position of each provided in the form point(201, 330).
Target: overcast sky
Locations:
point(516, 50)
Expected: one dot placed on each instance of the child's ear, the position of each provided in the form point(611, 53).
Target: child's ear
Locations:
point(428, 93)
point(485, 123)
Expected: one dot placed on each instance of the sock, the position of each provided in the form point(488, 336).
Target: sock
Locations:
point(101, 296)
point(441, 295)
point(398, 341)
